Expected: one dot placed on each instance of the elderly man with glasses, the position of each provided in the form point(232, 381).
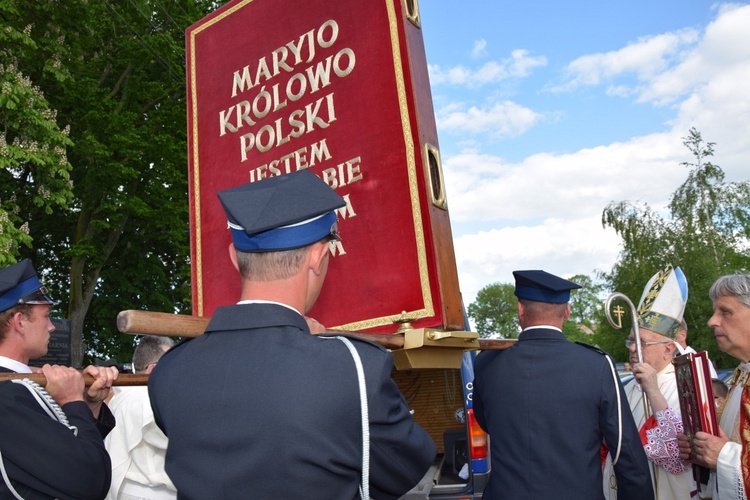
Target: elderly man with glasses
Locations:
point(728, 455)
point(652, 394)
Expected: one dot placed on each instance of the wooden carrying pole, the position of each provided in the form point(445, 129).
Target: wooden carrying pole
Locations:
point(137, 322)
point(124, 379)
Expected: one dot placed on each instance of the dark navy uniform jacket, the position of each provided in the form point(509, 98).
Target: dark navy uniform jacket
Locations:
point(257, 407)
point(547, 405)
point(42, 457)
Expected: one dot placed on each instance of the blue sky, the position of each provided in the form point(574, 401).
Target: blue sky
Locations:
point(549, 110)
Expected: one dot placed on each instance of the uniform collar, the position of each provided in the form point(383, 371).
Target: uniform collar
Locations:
point(12, 364)
point(258, 301)
point(545, 327)
point(256, 315)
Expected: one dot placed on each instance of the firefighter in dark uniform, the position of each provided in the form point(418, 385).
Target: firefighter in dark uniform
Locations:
point(257, 407)
point(548, 405)
point(50, 444)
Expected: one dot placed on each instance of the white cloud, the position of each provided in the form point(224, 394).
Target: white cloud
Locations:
point(483, 187)
point(518, 65)
point(498, 120)
point(645, 58)
point(666, 66)
point(555, 246)
point(725, 44)
point(479, 49)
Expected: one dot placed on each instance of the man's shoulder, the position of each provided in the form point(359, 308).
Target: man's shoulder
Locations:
point(363, 346)
point(10, 389)
point(592, 348)
point(15, 395)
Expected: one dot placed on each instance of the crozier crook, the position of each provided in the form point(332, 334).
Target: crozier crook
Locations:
point(618, 325)
point(636, 332)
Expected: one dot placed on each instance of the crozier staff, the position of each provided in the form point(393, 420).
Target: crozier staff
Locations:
point(294, 427)
point(659, 313)
point(50, 446)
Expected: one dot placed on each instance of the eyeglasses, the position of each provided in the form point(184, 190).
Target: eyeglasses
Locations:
point(630, 343)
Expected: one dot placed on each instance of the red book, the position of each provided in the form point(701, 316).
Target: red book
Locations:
point(696, 394)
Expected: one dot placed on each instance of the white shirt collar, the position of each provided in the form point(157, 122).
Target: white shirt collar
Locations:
point(258, 301)
point(542, 326)
point(12, 364)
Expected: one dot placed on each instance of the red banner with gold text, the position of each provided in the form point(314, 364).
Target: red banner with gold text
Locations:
point(339, 88)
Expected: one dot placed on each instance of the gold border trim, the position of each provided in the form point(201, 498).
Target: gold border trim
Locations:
point(428, 309)
point(198, 306)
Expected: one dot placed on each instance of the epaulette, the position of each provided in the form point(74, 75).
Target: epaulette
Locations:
point(354, 338)
point(593, 348)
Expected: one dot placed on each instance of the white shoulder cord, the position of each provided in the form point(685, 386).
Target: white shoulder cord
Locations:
point(49, 405)
point(364, 487)
point(619, 412)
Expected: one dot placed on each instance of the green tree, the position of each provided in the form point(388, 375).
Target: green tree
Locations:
point(34, 169)
point(706, 234)
point(586, 308)
point(586, 302)
point(123, 244)
point(495, 312)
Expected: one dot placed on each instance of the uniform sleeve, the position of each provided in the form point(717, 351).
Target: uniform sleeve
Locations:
point(631, 469)
point(42, 454)
point(400, 450)
point(106, 421)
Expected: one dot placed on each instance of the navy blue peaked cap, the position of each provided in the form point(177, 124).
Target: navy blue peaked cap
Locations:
point(19, 284)
point(281, 213)
point(541, 286)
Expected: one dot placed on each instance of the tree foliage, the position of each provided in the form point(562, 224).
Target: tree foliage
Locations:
point(34, 168)
point(586, 302)
point(495, 312)
point(114, 73)
point(706, 234)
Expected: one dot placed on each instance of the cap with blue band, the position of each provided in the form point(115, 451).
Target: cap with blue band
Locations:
point(541, 286)
point(19, 284)
point(281, 213)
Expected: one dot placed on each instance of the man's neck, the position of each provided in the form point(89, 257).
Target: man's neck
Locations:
point(12, 350)
point(273, 292)
point(553, 327)
point(262, 301)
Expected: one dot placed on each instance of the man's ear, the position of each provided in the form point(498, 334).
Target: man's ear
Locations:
point(567, 312)
point(233, 256)
point(681, 336)
point(318, 254)
point(17, 322)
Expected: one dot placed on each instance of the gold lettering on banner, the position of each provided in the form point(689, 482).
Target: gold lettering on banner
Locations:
point(324, 37)
point(263, 93)
point(343, 173)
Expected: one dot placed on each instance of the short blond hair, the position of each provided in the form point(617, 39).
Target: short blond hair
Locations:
point(6, 315)
point(271, 266)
